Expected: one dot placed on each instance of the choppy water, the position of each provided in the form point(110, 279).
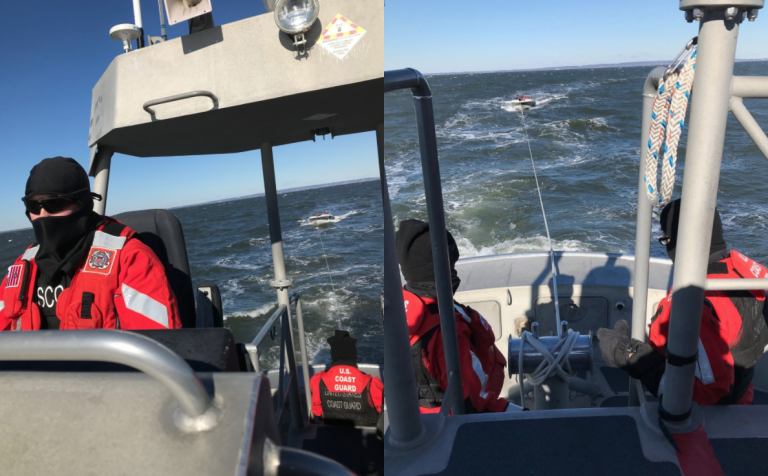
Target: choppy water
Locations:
point(228, 244)
point(585, 137)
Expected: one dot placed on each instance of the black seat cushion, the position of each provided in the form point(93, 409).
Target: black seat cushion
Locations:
point(161, 231)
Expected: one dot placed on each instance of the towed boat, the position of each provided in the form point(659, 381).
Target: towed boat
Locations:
point(324, 217)
point(523, 101)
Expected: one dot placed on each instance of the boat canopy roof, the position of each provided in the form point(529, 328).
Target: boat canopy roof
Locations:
point(242, 85)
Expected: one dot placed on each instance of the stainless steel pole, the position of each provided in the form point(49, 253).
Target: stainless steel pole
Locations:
point(281, 283)
point(709, 113)
point(405, 426)
point(749, 124)
point(643, 228)
point(433, 191)
point(103, 161)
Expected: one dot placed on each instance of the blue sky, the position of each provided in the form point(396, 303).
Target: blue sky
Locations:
point(451, 35)
point(53, 54)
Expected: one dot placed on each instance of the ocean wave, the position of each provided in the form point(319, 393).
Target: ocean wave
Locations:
point(518, 245)
point(253, 313)
point(232, 262)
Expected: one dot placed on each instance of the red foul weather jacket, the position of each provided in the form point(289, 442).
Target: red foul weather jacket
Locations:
point(121, 284)
point(732, 337)
point(343, 393)
point(482, 364)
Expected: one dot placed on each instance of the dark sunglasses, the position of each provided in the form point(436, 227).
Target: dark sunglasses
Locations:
point(50, 205)
point(664, 240)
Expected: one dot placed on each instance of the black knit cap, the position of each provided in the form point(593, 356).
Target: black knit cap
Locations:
point(670, 220)
point(414, 250)
point(59, 176)
point(343, 349)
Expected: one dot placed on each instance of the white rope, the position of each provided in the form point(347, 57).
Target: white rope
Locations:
point(667, 122)
point(546, 227)
point(330, 277)
point(559, 365)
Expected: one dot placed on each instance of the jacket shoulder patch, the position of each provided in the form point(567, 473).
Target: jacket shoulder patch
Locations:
point(100, 261)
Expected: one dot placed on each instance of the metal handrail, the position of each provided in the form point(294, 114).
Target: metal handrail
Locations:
point(179, 97)
point(736, 284)
point(286, 349)
point(425, 122)
point(119, 347)
point(253, 347)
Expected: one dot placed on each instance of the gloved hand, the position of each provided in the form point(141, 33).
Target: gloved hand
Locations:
point(615, 344)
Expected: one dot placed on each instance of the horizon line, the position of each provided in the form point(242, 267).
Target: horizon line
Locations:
point(245, 197)
point(629, 64)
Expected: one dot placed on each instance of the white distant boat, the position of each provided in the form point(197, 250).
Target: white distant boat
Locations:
point(324, 217)
point(523, 101)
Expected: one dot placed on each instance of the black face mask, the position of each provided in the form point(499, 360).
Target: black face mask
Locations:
point(64, 240)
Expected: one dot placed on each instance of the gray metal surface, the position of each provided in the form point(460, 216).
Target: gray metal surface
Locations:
point(405, 428)
point(689, 4)
point(178, 97)
point(101, 161)
point(644, 217)
point(117, 423)
point(736, 284)
point(304, 359)
point(574, 268)
point(265, 94)
point(281, 283)
point(708, 116)
point(750, 86)
point(118, 347)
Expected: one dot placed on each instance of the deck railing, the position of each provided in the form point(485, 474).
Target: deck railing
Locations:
point(288, 381)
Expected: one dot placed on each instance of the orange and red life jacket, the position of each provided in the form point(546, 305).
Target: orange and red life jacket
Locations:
point(482, 363)
point(119, 284)
point(344, 394)
point(732, 337)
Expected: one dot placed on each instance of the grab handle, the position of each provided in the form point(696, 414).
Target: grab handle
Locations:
point(101, 345)
point(179, 97)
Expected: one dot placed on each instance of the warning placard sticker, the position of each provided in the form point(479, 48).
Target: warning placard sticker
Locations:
point(340, 36)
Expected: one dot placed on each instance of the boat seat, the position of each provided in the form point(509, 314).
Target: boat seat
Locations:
point(359, 449)
point(161, 231)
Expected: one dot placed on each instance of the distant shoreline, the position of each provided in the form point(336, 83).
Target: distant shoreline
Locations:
point(287, 190)
point(589, 66)
point(245, 197)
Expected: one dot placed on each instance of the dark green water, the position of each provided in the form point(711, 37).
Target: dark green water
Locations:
point(585, 137)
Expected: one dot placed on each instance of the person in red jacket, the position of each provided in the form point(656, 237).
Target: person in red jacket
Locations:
point(482, 363)
point(733, 331)
point(343, 394)
point(86, 271)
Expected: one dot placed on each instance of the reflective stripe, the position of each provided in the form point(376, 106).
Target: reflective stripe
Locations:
point(478, 368)
point(30, 253)
point(145, 305)
point(103, 240)
point(463, 314)
point(703, 369)
point(18, 324)
point(2, 305)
